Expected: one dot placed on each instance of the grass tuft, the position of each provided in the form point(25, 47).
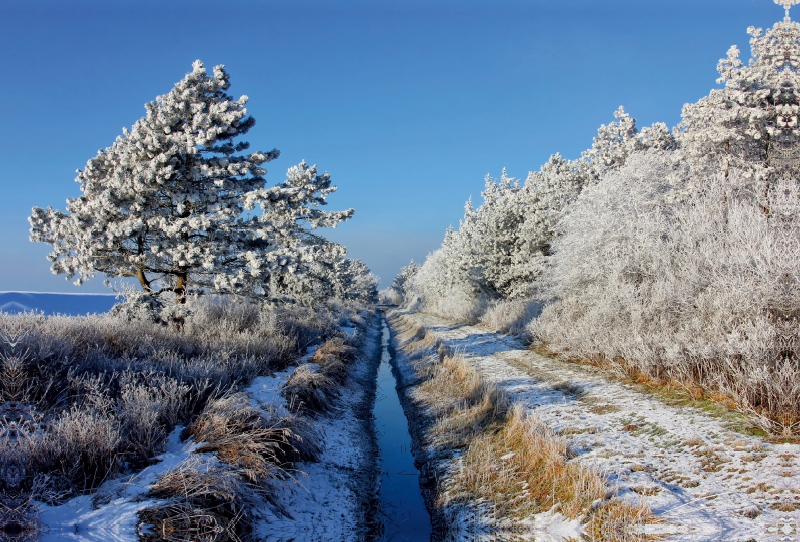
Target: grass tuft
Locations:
point(521, 467)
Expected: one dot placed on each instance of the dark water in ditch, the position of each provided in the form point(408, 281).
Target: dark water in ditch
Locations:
point(403, 511)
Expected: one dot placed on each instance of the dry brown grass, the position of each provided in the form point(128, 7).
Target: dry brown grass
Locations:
point(332, 351)
point(460, 400)
point(407, 331)
point(619, 521)
point(522, 468)
point(333, 357)
point(205, 502)
point(452, 383)
point(309, 391)
point(212, 500)
point(261, 444)
point(462, 424)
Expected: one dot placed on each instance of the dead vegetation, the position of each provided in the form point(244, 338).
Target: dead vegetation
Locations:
point(309, 391)
point(213, 499)
point(314, 387)
point(260, 442)
point(204, 501)
point(619, 521)
point(522, 467)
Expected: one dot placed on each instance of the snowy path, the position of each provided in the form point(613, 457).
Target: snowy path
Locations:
point(703, 479)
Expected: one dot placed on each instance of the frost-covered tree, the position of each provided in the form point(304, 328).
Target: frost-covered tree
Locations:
point(684, 264)
point(353, 281)
point(502, 246)
point(751, 124)
point(175, 204)
point(402, 282)
point(332, 276)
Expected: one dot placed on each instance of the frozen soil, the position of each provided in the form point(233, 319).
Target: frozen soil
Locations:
point(703, 474)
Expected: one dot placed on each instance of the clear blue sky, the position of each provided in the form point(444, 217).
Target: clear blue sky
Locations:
point(407, 104)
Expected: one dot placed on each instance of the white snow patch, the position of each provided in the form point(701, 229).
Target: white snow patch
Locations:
point(79, 518)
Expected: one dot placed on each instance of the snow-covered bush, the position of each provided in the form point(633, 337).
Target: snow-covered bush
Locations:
point(389, 296)
point(511, 316)
point(402, 283)
point(691, 290)
point(441, 288)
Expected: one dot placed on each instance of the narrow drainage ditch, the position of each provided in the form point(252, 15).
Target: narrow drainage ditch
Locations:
point(403, 512)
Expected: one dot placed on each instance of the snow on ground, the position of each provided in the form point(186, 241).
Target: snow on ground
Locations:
point(326, 500)
point(705, 480)
point(112, 513)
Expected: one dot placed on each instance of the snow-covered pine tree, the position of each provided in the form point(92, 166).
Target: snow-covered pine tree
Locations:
point(352, 280)
point(172, 204)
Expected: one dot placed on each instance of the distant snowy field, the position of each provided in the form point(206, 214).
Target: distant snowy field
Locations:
point(55, 303)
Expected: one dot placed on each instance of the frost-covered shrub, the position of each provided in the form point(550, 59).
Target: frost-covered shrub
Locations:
point(402, 282)
point(438, 287)
point(511, 316)
point(150, 406)
point(691, 290)
point(81, 446)
point(696, 279)
point(91, 397)
point(389, 296)
point(138, 306)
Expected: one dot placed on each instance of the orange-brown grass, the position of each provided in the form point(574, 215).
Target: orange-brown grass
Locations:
point(521, 467)
point(619, 521)
point(452, 383)
point(334, 350)
point(333, 357)
point(408, 331)
point(463, 423)
point(422, 342)
point(203, 501)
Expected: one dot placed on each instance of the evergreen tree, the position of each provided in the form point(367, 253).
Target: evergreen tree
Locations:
point(172, 203)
